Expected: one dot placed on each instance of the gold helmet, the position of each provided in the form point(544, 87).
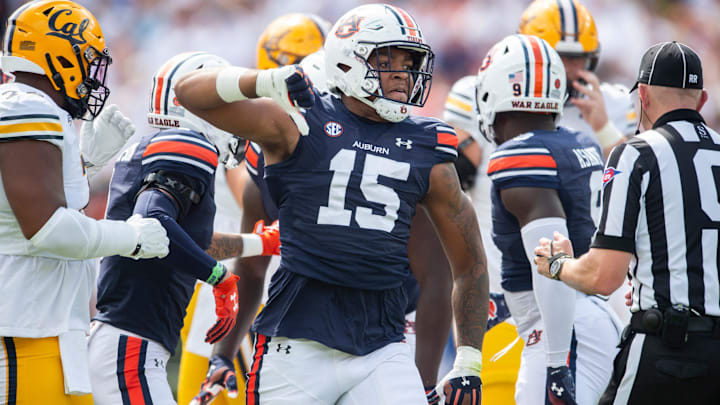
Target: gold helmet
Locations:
point(566, 25)
point(289, 38)
point(62, 40)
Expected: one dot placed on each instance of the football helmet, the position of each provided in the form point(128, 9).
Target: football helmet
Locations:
point(166, 112)
point(566, 25)
point(62, 40)
point(519, 73)
point(366, 31)
point(289, 38)
point(314, 67)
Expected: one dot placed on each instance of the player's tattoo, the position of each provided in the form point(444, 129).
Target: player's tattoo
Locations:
point(225, 246)
point(470, 292)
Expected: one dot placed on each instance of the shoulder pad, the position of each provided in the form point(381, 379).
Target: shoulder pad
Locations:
point(29, 115)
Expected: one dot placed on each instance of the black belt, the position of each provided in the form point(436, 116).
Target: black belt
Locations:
point(650, 322)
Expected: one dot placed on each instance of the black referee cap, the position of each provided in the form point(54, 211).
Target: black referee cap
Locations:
point(670, 64)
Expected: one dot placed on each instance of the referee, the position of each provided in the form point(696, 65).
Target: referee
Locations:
point(661, 220)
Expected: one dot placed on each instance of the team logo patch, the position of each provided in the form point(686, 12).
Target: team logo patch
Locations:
point(349, 27)
point(333, 129)
point(609, 174)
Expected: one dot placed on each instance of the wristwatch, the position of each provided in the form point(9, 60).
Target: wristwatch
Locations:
point(555, 262)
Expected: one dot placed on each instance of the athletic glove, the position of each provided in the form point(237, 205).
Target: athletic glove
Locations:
point(103, 137)
point(152, 240)
point(462, 385)
point(220, 375)
point(270, 236)
point(226, 308)
point(290, 88)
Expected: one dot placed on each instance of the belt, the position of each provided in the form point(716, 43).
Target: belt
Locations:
point(650, 322)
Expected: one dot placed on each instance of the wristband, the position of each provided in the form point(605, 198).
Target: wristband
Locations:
point(468, 358)
point(252, 245)
point(608, 135)
point(218, 272)
point(227, 84)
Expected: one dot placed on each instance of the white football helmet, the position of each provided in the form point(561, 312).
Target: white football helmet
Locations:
point(460, 110)
point(314, 66)
point(375, 28)
point(520, 73)
point(166, 112)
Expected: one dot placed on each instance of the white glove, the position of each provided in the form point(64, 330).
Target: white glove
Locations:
point(102, 138)
point(152, 240)
point(290, 88)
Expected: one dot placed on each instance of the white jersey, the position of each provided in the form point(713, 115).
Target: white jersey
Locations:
point(460, 112)
point(42, 294)
point(618, 105)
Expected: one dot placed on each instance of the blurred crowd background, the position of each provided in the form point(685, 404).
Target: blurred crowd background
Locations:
point(142, 34)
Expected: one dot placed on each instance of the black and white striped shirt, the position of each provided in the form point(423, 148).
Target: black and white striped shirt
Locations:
point(661, 202)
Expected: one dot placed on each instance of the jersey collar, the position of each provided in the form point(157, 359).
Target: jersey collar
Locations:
point(683, 114)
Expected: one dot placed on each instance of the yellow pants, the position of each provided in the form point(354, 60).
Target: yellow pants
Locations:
point(501, 362)
point(193, 368)
point(31, 373)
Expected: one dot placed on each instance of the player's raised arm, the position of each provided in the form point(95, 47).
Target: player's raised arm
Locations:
point(235, 99)
point(456, 224)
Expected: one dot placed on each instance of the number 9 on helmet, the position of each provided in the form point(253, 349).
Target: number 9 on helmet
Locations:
point(519, 73)
point(63, 41)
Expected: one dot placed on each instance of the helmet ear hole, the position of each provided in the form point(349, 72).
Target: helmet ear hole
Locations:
point(345, 68)
point(66, 64)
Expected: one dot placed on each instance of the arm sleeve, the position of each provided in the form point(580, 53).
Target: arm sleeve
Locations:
point(623, 183)
point(185, 255)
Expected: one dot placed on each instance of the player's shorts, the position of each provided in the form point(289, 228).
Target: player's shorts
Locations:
point(592, 349)
point(301, 371)
point(31, 373)
point(126, 369)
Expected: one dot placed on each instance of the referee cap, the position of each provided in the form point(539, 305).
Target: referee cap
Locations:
point(670, 64)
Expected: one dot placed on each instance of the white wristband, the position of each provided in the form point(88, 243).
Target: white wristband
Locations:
point(252, 245)
point(227, 84)
point(468, 358)
point(609, 135)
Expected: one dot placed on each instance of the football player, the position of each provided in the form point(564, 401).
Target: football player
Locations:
point(287, 39)
point(603, 110)
point(501, 351)
point(346, 195)
point(57, 54)
point(543, 180)
point(168, 175)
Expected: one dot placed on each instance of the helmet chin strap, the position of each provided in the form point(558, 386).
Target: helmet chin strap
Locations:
point(388, 110)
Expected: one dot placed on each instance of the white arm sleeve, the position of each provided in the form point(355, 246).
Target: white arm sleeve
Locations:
point(555, 300)
point(71, 234)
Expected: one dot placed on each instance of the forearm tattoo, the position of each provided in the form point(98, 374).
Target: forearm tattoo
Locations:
point(225, 246)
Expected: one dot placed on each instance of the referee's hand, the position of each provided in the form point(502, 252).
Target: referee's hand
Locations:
point(546, 248)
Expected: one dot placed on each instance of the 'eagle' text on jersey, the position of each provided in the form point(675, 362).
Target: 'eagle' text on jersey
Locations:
point(588, 157)
point(372, 148)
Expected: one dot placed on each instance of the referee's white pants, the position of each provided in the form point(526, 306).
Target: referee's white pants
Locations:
point(593, 348)
point(126, 369)
point(301, 371)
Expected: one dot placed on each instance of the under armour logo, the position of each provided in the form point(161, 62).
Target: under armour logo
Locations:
point(399, 142)
point(557, 390)
point(233, 299)
point(286, 348)
point(171, 182)
point(465, 382)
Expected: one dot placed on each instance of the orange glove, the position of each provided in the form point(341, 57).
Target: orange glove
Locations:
point(220, 375)
point(226, 308)
point(270, 236)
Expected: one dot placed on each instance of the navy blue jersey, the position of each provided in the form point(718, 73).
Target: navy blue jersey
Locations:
point(255, 164)
point(563, 160)
point(148, 297)
point(346, 197)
